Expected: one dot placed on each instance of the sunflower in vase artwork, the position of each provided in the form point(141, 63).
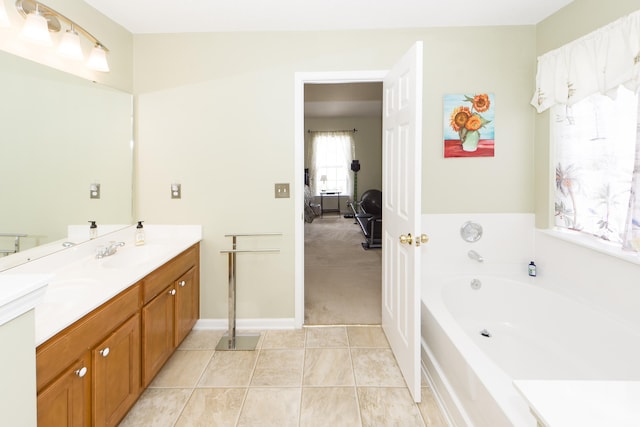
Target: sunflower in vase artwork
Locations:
point(468, 122)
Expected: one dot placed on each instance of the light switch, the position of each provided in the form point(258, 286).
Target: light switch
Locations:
point(94, 191)
point(282, 191)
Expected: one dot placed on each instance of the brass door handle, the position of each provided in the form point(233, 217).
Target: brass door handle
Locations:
point(422, 239)
point(406, 239)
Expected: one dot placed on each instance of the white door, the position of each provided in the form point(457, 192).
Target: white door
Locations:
point(401, 193)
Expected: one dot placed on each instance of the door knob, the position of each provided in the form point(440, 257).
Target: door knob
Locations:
point(81, 372)
point(105, 352)
point(422, 239)
point(406, 239)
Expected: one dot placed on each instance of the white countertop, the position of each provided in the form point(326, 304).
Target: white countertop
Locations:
point(19, 293)
point(78, 282)
point(583, 403)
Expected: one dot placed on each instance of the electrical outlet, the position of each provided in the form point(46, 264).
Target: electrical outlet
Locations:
point(94, 191)
point(282, 191)
point(176, 191)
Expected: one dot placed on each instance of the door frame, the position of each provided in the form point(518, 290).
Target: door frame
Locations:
point(302, 78)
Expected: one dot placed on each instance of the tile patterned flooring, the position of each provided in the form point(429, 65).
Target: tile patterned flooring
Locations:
point(317, 376)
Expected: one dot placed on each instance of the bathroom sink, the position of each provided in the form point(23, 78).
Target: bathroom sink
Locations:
point(133, 256)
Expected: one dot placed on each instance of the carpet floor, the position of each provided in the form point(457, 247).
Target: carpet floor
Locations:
point(342, 280)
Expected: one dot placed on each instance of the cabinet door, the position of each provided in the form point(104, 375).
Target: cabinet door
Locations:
point(157, 333)
point(187, 304)
point(66, 402)
point(116, 381)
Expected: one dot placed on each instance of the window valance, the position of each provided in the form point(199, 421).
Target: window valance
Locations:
point(598, 62)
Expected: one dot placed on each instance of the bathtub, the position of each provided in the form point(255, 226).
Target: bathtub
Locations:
point(476, 340)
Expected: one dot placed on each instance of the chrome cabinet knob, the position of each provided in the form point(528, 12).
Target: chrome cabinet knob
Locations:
point(105, 352)
point(82, 372)
point(172, 292)
point(182, 283)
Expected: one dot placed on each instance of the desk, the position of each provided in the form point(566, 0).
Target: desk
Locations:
point(329, 193)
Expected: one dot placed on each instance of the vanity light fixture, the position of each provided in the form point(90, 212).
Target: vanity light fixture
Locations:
point(47, 21)
point(4, 18)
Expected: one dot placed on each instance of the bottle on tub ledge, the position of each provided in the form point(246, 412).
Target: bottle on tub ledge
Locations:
point(93, 230)
point(139, 238)
point(532, 269)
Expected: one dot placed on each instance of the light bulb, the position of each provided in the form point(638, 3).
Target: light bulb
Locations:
point(36, 29)
point(98, 59)
point(70, 45)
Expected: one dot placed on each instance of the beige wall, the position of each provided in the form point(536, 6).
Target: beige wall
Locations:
point(216, 113)
point(574, 21)
point(368, 146)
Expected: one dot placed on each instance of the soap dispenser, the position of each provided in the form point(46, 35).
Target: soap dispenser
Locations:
point(93, 230)
point(139, 234)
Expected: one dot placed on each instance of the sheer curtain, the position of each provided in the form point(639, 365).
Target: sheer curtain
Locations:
point(331, 156)
point(599, 63)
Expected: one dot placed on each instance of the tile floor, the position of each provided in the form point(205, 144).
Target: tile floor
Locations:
point(318, 376)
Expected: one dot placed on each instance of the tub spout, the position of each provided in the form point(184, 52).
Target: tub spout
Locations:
point(475, 255)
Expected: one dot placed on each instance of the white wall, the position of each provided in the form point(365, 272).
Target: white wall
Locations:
point(216, 113)
point(605, 282)
point(18, 371)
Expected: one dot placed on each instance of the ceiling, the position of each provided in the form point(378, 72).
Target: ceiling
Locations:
point(178, 16)
point(355, 100)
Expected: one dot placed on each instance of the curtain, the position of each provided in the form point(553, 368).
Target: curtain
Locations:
point(596, 63)
point(331, 156)
point(631, 238)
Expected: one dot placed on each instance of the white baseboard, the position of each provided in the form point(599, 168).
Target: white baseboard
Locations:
point(247, 324)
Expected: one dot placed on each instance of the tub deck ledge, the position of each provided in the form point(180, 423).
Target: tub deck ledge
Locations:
point(583, 403)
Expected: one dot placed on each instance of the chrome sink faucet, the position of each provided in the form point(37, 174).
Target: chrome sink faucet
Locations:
point(110, 249)
point(475, 255)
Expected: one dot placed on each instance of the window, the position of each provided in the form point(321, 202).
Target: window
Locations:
point(595, 154)
point(332, 153)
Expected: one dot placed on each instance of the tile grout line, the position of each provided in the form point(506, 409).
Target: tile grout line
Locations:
point(353, 372)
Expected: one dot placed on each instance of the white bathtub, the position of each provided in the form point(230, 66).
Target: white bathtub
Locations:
point(535, 334)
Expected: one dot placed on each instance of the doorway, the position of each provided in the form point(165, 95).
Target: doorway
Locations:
point(302, 79)
point(342, 279)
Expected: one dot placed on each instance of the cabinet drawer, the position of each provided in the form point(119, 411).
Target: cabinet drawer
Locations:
point(156, 282)
point(54, 355)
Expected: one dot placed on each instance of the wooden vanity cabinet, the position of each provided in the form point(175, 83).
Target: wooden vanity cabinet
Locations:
point(171, 308)
point(92, 372)
point(69, 366)
point(65, 402)
point(116, 373)
point(187, 304)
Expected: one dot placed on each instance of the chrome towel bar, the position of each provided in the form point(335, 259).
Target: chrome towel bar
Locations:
point(232, 342)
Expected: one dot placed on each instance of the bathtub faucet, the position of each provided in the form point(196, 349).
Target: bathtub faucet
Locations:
point(475, 255)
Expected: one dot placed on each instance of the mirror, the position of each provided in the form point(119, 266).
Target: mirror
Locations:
point(60, 134)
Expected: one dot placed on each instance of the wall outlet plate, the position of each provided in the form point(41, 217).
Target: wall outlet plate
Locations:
point(282, 191)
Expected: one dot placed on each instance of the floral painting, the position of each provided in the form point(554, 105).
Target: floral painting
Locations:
point(469, 125)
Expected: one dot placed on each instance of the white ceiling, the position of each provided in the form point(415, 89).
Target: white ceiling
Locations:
point(174, 16)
